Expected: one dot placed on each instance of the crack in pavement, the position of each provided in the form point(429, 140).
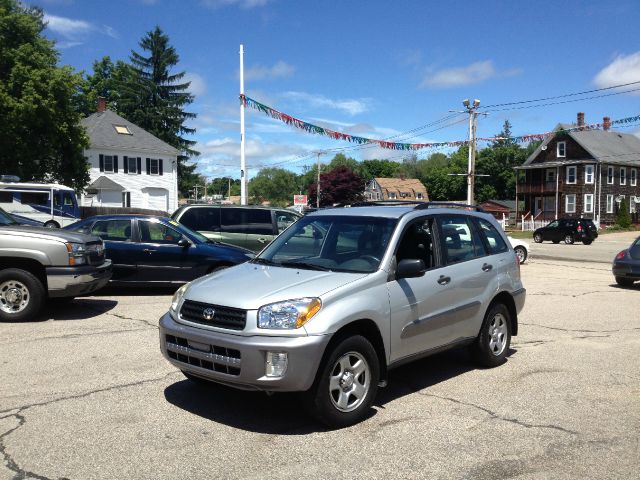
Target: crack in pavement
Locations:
point(10, 462)
point(580, 330)
point(495, 416)
point(546, 294)
point(74, 335)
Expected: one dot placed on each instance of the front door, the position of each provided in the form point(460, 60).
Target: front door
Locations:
point(537, 206)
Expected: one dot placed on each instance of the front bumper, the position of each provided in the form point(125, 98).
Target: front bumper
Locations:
point(239, 361)
point(80, 280)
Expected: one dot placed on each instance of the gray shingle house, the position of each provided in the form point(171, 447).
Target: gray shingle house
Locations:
point(584, 173)
point(129, 167)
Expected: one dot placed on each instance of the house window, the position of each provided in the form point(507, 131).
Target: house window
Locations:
point(570, 204)
point(632, 204)
point(572, 173)
point(610, 175)
point(588, 174)
point(126, 199)
point(132, 163)
point(122, 130)
point(392, 195)
point(633, 177)
point(562, 149)
point(108, 163)
point(588, 203)
point(550, 175)
point(418, 195)
point(623, 176)
point(609, 203)
point(154, 166)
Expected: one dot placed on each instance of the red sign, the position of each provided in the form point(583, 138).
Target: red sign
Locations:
point(299, 199)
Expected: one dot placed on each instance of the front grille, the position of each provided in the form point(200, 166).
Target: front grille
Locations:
point(214, 358)
point(95, 252)
point(223, 317)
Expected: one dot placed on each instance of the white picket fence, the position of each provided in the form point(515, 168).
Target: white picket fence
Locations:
point(530, 223)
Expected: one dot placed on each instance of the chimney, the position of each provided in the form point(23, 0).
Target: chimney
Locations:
point(606, 124)
point(102, 104)
point(580, 119)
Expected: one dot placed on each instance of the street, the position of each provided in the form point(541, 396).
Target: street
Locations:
point(86, 394)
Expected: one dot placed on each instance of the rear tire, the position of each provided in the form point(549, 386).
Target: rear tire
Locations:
point(537, 238)
point(492, 345)
point(587, 242)
point(624, 282)
point(51, 224)
point(21, 295)
point(346, 383)
point(568, 239)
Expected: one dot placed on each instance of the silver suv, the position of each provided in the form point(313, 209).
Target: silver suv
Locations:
point(343, 296)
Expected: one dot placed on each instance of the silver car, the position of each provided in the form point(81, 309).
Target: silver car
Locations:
point(345, 295)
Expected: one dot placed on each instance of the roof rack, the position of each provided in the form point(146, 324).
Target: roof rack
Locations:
point(417, 204)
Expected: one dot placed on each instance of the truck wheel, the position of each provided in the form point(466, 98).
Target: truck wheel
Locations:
point(346, 383)
point(21, 295)
point(51, 224)
point(492, 345)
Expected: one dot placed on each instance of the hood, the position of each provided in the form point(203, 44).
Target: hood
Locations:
point(249, 286)
point(51, 233)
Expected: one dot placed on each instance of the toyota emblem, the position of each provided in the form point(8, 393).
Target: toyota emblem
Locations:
point(208, 313)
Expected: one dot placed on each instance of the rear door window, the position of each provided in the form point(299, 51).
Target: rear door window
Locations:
point(459, 240)
point(492, 238)
point(112, 230)
point(202, 219)
point(258, 222)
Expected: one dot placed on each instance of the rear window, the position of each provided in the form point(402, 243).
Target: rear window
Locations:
point(202, 219)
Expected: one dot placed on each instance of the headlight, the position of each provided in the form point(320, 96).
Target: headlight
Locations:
point(77, 253)
point(289, 314)
point(177, 298)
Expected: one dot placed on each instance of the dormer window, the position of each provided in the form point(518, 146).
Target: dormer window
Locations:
point(562, 150)
point(122, 130)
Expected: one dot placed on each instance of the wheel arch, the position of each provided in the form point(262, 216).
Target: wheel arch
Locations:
point(507, 300)
point(32, 266)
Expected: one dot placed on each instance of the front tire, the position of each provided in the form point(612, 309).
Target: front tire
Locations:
point(521, 253)
point(587, 242)
point(537, 238)
point(21, 295)
point(51, 224)
point(346, 383)
point(568, 239)
point(492, 345)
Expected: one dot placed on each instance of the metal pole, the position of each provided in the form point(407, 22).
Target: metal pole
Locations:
point(318, 189)
point(472, 156)
point(243, 167)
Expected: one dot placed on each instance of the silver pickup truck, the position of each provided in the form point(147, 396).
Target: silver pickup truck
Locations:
point(38, 263)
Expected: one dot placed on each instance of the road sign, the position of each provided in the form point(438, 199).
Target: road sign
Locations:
point(299, 199)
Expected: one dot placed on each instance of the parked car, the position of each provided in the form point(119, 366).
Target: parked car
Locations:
point(343, 296)
point(37, 264)
point(626, 265)
point(158, 250)
point(250, 227)
point(520, 247)
point(569, 230)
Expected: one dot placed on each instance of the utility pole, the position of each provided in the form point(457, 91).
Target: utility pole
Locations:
point(318, 190)
point(243, 166)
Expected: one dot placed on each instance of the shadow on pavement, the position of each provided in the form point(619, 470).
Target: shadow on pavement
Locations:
point(135, 290)
point(76, 309)
point(283, 413)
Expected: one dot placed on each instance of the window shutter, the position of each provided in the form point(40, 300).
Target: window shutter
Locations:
point(139, 165)
point(115, 164)
point(101, 163)
point(160, 167)
point(125, 160)
point(148, 166)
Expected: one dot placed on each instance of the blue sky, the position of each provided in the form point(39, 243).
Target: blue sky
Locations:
point(374, 69)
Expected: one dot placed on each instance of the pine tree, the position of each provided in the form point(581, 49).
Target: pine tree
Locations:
point(623, 218)
point(154, 99)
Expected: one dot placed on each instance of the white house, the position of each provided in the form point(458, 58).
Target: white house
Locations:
point(129, 167)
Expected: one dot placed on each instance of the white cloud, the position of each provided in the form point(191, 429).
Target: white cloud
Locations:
point(456, 77)
point(279, 70)
point(246, 4)
point(349, 106)
point(74, 32)
point(198, 84)
point(624, 69)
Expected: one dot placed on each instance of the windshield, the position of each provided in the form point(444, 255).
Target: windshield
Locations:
point(333, 243)
point(5, 218)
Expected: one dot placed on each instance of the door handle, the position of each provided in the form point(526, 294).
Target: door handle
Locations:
point(148, 250)
point(486, 267)
point(444, 280)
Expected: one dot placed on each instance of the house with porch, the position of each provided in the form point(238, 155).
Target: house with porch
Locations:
point(129, 167)
point(395, 189)
point(581, 173)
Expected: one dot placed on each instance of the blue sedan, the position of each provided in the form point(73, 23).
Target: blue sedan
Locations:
point(626, 265)
point(157, 250)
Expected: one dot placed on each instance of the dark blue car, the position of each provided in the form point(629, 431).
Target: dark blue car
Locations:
point(158, 250)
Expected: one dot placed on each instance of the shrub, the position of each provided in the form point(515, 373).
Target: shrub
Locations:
point(623, 218)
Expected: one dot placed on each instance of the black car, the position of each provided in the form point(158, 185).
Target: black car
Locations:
point(626, 265)
point(569, 230)
point(157, 250)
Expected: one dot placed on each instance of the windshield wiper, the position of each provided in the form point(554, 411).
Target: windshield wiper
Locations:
point(306, 266)
point(263, 261)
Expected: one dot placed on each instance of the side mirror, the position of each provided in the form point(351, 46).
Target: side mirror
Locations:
point(410, 268)
point(183, 242)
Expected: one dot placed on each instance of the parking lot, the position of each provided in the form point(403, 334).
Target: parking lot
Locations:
point(86, 394)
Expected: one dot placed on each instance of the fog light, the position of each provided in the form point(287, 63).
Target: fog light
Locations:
point(276, 364)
